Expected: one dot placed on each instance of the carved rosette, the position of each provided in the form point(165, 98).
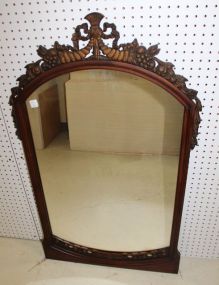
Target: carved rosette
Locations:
point(97, 49)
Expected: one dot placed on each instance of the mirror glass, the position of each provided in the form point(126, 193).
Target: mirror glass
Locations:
point(107, 145)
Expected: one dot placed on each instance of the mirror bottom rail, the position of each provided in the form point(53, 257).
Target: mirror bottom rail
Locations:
point(158, 260)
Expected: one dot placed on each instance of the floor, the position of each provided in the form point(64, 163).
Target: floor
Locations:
point(106, 200)
point(22, 262)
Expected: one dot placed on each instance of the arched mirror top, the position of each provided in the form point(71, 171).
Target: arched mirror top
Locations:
point(130, 57)
point(154, 186)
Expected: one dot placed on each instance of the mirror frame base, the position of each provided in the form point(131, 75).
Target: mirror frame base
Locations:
point(166, 264)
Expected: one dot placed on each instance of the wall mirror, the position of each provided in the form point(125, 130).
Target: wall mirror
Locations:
point(107, 133)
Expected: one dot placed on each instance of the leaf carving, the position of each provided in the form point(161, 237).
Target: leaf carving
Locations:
point(96, 49)
point(153, 50)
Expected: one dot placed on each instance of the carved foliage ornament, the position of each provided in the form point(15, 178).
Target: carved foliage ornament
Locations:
point(96, 49)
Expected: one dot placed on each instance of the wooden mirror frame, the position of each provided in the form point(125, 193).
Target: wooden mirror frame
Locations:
point(130, 58)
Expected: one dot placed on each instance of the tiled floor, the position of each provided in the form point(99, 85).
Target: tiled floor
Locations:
point(22, 263)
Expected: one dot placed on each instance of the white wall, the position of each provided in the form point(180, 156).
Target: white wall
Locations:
point(188, 35)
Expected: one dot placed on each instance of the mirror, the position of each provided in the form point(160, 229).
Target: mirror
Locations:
point(109, 151)
point(107, 145)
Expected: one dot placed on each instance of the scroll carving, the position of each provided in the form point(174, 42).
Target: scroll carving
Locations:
point(95, 48)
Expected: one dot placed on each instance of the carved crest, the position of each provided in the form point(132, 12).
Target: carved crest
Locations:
point(97, 49)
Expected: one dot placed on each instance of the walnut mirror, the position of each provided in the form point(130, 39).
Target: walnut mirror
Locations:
point(107, 133)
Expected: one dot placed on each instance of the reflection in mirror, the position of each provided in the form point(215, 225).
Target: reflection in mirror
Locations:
point(107, 145)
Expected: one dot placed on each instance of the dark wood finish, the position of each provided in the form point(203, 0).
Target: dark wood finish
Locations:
point(130, 58)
